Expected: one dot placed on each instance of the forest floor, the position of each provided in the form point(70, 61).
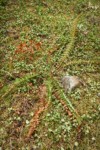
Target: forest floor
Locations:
point(41, 41)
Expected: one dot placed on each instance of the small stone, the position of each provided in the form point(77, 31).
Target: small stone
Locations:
point(93, 139)
point(76, 143)
point(27, 122)
point(69, 83)
point(98, 94)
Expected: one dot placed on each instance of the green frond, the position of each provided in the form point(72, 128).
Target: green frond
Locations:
point(68, 102)
point(12, 87)
point(70, 45)
point(78, 62)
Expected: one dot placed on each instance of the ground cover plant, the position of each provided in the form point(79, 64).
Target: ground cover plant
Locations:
point(41, 41)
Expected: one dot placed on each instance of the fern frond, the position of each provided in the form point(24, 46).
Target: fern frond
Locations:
point(68, 102)
point(70, 45)
point(78, 62)
point(10, 88)
point(36, 119)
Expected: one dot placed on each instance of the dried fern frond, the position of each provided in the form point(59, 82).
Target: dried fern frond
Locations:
point(35, 120)
point(64, 105)
point(43, 105)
